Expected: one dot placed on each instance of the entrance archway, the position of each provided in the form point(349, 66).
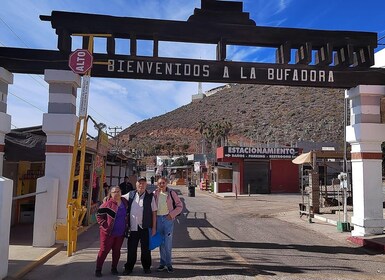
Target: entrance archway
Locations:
point(324, 59)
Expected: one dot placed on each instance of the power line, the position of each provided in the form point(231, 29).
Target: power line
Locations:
point(381, 38)
point(26, 101)
point(24, 44)
point(43, 85)
point(14, 32)
point(34, 78)
point(103, 117)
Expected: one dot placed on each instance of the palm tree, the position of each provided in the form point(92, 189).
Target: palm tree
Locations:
point(201, 128)
point(184, 148)
point(169, 148)
point(218, 134)
point(227, 128)
point(100, 126)
point(158, 148)
point(209, 136)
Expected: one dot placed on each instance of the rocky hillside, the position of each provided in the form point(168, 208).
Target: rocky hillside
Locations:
point(258, 114)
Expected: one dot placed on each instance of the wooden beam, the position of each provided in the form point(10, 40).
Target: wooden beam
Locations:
point(64, 43)
point(221, 50)
point(32, 61)
point(133, 47)
point(111, 45)
point(304, 54)
point(209, 32)
point(324, 56)
point(155, 52)
point(283, 53)
point(222, 6)
point(344, 56)
point(85, 42)
point(364, 56)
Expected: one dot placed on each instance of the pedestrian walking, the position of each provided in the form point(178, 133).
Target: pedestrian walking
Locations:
point(126, 186)
point(169, 206)
point(142, 216)
point(112, 220)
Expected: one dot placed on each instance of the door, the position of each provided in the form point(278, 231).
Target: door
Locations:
point(256, 173)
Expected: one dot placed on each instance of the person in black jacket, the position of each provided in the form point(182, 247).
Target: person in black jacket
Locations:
point(126, 186)
point(142, 216)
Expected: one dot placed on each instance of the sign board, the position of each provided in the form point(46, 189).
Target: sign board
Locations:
point(84, 96)
point(80, 61)
point(103, 144)
point(192, 70)
point(260, 153)
point(304, 57)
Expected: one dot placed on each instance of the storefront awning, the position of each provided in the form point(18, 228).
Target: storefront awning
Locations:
point(302, 159)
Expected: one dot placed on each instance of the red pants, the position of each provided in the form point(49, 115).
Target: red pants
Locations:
point(106, 244)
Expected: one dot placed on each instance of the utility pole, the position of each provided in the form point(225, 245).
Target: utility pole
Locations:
point(114, 132)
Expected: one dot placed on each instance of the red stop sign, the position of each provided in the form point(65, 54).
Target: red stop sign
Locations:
point(80, 61)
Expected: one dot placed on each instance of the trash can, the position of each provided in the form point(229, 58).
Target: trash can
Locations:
point(191, 190)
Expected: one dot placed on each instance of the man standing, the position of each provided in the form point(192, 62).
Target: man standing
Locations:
point(142, 216)
point(126, 186)
point(169, 206)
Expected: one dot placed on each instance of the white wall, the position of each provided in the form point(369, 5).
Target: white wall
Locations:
point(6, 187)
point(379, 59)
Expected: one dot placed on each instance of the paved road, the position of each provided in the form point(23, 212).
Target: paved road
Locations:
point(224, 238)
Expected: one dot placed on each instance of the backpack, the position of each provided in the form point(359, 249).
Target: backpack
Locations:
point(173, 201)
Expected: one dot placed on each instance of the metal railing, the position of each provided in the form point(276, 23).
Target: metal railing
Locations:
point(27, 195)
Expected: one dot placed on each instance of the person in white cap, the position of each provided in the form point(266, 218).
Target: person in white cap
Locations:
point(142, 216)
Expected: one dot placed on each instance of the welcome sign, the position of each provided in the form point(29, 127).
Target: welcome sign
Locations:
point(303, 57)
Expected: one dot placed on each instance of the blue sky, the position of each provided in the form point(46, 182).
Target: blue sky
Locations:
point(118, 102)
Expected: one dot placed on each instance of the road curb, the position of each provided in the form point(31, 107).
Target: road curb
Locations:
point(326, 220)
point(367, 243)
point(40, 260)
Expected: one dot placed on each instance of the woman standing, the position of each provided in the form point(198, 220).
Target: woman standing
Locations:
point(169, 206)
point(111, 217)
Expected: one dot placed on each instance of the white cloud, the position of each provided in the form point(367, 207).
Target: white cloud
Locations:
point(107, 86)
point(282, 5)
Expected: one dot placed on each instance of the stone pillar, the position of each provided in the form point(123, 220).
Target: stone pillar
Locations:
point(6, 188)
point(46, 202)
point(59, 124)
point(6, 185)
point(365, 134)
point(6, 78)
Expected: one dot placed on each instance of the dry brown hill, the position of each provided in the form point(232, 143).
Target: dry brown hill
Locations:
point(258, 114)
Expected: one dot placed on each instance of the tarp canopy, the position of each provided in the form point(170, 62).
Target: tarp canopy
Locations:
point(303, 158)
point(25, 144)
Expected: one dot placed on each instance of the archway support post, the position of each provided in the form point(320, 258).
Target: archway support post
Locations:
point(6, 185)
point(59, 124)
point(365, 134)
